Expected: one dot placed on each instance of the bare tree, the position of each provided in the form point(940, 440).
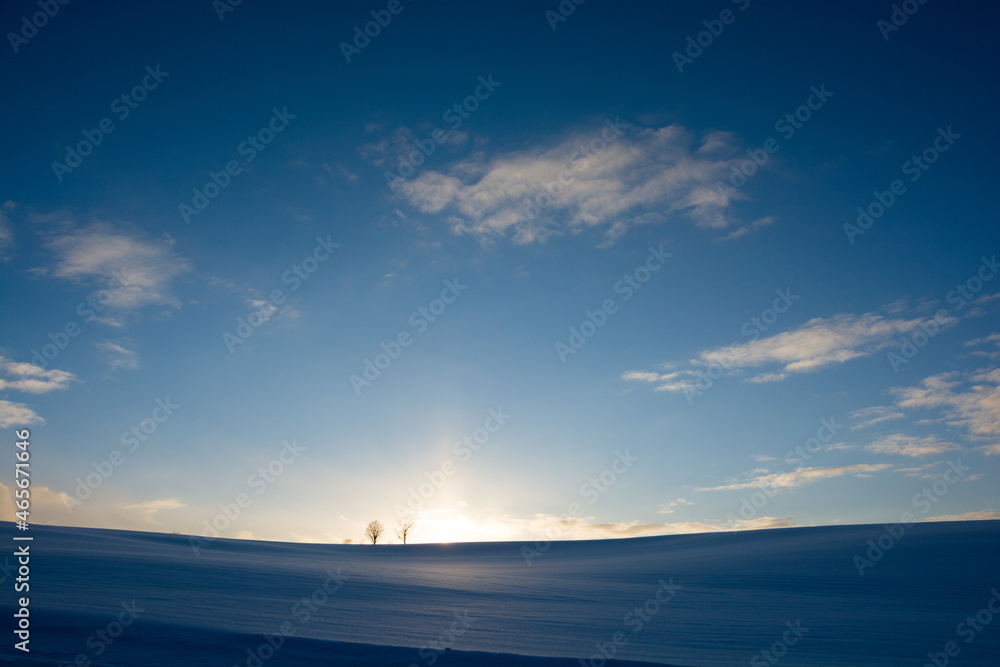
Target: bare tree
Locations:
point(404, 528)
point(347, 540)
point(374, 531)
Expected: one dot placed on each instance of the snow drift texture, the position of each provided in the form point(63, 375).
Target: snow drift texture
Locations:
point(733, 596)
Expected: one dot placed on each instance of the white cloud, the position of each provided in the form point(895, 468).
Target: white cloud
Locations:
point(839, 447)
point(17, 414)
point(154, 506)
point(104, 510)
point(641, 376)
point(119, 356)
point(643, 175)
point(31, 378)
point(933, 392)
point(817, 344)
point(263, 307)
point(801, 477)
point(763, 523)
point(982, 515)
point(752, 227)
point(976, 408)
point(992, 338)
point(921, 471)
point(874, 415)
point(98, 252)
point(668, 508)
point(992, 354)
point(674, 381)
point(909, 445)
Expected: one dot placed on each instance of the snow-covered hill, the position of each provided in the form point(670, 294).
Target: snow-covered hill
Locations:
point(131, 598)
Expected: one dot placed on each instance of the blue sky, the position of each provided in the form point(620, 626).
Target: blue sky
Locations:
point(238, 222)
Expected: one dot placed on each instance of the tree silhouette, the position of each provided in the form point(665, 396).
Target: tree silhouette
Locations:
point(374, 531)
point(404, 528)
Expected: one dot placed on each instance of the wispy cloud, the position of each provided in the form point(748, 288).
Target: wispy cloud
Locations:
point(992, 338)
point(819, 343)
point(934, 470)
point(17, 414)
point(98, 252)
point(874, 415)
point(624, 176)
point(992, 341)
point(752, 227)
point(970, 401)
point(909, 445)
point(385, 149)
point(119, 355)
point(153, 506)
point(105, 510)
point(982, 515)
point(668, 508)
point(26, 377)
point(763, 523)
point(801, 477)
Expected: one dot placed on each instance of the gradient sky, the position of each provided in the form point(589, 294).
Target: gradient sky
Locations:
point(679, 380)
